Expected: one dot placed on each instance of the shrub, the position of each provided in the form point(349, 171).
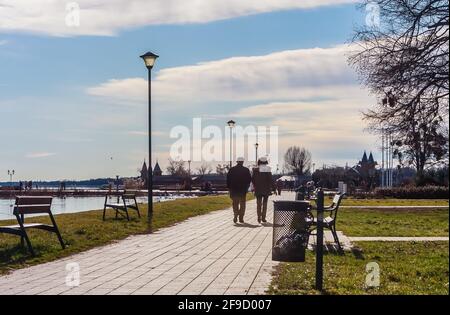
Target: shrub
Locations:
point(425, 192)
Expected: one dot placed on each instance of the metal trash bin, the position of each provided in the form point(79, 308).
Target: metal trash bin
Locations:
point(291, 228)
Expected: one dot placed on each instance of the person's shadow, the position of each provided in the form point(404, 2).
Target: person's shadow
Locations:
point(267, 224)
point(246, 225)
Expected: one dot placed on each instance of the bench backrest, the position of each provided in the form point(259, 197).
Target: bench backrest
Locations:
point(32, 205)
point(336, 203)
point(129, 195)
point(337, 199)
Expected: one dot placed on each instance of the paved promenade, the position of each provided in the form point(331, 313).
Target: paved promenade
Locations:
point(207, 254)
point(203, 255)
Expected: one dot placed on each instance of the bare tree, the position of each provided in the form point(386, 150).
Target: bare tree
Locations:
point(204, 168)
point(406, 56)
point(424, 143)
point(177, 168)
point(404, 61)
point(222, 169)
point(297, 160)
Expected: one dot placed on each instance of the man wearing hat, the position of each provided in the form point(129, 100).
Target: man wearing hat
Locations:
point(238, 182)
point(264, 185)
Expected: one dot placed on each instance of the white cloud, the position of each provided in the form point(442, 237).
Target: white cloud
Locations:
point(38, 155)
point(145, 133)
point(331, 119)
point(106, 17)
point(125, 91)
point(285, 75)
point(333, 130)
point(3, 42)
point(312, 95)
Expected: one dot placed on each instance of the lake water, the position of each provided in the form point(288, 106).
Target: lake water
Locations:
point(75, 204)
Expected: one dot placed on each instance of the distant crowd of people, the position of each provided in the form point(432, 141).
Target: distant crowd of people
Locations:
point(27, 185)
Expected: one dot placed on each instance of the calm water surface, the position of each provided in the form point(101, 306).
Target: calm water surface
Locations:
point(74, 204)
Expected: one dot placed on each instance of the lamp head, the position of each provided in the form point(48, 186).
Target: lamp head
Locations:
point(149, 59)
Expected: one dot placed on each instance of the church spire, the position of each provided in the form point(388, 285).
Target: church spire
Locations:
point(157, 170)
point(364, 158)
point(371, 159)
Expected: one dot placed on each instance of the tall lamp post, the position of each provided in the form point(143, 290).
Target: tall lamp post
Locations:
point(149, 61)
point(231, 124)
point(11, 174)
point(256, 151)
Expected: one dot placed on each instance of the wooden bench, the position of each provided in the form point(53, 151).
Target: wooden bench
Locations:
point(31, 205)
point(122, 205)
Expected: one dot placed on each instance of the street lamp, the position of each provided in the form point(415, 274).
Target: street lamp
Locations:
point(231, 124)
point(256, 149)
point(149, 61)
point(11, 173)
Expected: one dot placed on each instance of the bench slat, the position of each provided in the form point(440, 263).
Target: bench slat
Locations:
point(114, 205)
point(32, 209)
point(33, 200)
point(27, 225)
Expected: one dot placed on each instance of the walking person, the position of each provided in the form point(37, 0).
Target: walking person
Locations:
point(264, 185)
point(279, 187)
point(238, 182)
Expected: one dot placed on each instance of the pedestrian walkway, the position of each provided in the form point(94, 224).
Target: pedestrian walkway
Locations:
point(207, 254)
point(204, 255)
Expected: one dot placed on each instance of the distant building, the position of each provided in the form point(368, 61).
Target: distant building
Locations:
point(210, 182)
point(365, 173)
point(366, 166)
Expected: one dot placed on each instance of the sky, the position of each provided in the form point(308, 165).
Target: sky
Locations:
point(73, 90)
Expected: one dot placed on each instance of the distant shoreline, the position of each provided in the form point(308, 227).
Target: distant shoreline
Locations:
point(55, 192)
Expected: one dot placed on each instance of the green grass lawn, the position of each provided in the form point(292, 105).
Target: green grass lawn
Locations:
point(348, 201)
point(85, 230)
point(383, 222)
point(405, 268)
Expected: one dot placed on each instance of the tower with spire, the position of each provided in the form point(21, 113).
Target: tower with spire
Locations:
point(367, 164)
point(157, 170)
point(144, 173)
point(364, 159)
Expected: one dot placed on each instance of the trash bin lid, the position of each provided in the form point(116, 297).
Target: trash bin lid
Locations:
point(290, 205)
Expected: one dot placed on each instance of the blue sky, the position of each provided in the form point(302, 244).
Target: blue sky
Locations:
point(62, 117)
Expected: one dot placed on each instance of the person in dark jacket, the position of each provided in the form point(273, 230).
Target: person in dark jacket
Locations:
point(263, 185)
point(238, 182)
point(279, 187)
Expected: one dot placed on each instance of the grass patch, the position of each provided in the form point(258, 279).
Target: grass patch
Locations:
point(384, 222)
point(348, 201)
point(405, 268)
point(86, 230)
